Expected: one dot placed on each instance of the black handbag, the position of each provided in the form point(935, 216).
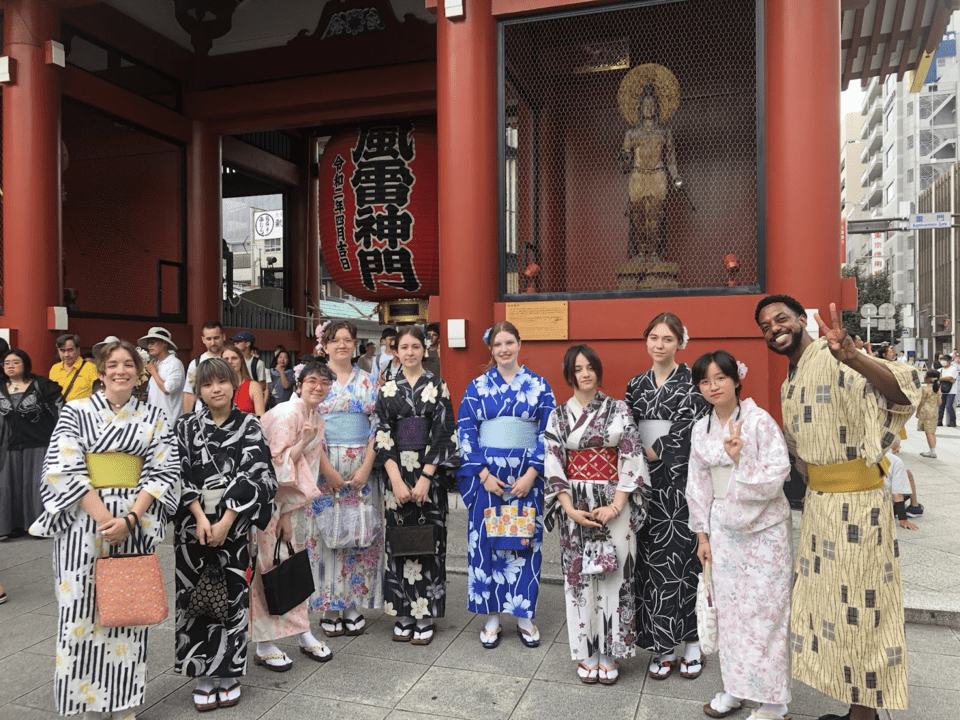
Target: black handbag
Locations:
point(209, 598)
point(289, 583)
point(412, 536)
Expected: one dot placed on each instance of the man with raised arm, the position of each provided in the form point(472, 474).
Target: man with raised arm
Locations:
point(842, 409)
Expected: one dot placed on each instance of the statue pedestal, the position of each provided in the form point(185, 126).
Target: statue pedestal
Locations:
point(637, 274)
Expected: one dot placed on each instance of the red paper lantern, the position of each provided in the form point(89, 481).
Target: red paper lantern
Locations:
point(378, 210)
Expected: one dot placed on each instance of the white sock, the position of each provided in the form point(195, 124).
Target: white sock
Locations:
point(525, 623)
point(593, 660)
point(493, 622)
point(726, 701)
point(773, 709)
point(606, 660)
point(691, 652)
point(668, 656)
point(205, 684)
point(423, 622)
point(307, 639)
point(267, 648)
point(351, 614)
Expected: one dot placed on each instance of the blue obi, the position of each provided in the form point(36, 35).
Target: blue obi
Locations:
point(344, 428)
point(509, 432)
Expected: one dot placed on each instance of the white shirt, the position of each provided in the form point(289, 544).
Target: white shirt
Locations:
point(897, 481)
point(261, 373)
point(170, 370)
point(950, 371)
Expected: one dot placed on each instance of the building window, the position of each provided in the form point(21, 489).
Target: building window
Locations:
point(910, 176)
point(889, 117)
point(888, 158)
point(637, 173)
point(891, 193)
point(909, 142)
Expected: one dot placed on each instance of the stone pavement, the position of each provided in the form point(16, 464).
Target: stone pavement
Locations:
point(372, 677)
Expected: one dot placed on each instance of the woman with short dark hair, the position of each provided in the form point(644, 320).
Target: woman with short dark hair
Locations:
point(29, 407)
point(228, 488)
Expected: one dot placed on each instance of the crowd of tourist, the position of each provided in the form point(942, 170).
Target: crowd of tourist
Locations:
point(344, 460)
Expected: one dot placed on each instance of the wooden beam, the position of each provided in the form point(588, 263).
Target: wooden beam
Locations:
point(920, 8)
point(938, 23)
point(875, 35)
point(320, 99)
point(888, 46)
point(81, 85)
point(132, 39)
point(853, 4)
point(67, 4)
point(236, 152)
point(854, 48)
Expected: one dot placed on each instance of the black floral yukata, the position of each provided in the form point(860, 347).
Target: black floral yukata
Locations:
point(416, 585)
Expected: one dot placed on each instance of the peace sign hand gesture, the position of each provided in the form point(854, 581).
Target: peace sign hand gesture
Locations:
point(734, 444)
point(840, 343)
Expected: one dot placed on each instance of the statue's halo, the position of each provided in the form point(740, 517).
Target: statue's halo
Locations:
point(664, 84)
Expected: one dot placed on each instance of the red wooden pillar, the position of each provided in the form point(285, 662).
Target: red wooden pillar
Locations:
point(467, 212)
point(802, 127)
point(803, 175)
point(31, 180)
point(204, 273)
point(313, 233)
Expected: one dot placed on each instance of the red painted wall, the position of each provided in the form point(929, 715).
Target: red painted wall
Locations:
point(123, 212)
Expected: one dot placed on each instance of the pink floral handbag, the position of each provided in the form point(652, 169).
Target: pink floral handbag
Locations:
point(130, 587)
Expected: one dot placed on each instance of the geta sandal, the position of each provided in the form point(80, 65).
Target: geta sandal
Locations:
point(223, 695)
point(655, 674)
point(684, 668)
point(423, 640)
point(406, 631)
point(261, 660)
point(354, 627)
point(588, 675)
point(311, 652)
point(710, 711)
point(332, 627)
point(495, 637)
point(609, 675)
point(524, 634)
point(204, 700)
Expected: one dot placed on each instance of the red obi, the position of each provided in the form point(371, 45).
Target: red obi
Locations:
point(592, 464)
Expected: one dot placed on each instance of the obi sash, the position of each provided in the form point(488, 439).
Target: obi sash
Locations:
point(592, 464)
point(344, 428)
point(851, 476)
point(210, 498)
point(413, 433)
point(114, 469)
point(652, 430)
point(721, 480)
point(509, 433)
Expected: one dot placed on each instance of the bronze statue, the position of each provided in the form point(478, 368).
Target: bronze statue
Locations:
point(648, 97)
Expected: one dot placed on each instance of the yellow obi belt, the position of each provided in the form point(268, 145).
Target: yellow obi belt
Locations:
point(851, 476)
point(113, 469)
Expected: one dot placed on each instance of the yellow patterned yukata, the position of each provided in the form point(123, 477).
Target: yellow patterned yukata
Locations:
point(846, 627)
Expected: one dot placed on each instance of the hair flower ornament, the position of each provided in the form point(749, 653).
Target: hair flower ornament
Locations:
point(741, 370)
point(686, 338)
point(486, 335)
point(318, 348)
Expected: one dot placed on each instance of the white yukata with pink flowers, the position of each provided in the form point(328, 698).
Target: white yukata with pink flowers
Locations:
point(749, 532)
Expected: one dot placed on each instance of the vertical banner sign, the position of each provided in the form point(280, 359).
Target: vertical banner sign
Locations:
point(378, 210)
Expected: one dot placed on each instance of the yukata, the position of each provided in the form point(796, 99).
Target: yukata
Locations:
point(297, 488)
point(96, 668)
point(927, 410)
point(667, 565)
point(223, 468)
point(749, 526)
point(415, 427)
point(345, 577)
point(502, 580)
point(846, 622)
point(602, 436)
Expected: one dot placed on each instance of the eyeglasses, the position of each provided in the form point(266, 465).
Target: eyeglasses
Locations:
point(719, 380)
point(314, 382)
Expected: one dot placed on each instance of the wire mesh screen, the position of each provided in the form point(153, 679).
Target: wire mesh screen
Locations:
point(1, 200)
point(630, 150)
point(123, 219)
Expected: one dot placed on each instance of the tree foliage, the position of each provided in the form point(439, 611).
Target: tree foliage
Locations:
point(871, 288)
